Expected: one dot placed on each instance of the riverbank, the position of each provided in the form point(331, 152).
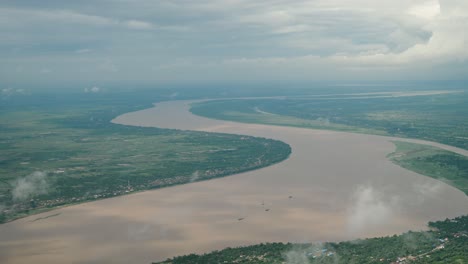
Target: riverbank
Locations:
point(335, 186)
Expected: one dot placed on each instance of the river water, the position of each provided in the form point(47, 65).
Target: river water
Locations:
point(334, 186)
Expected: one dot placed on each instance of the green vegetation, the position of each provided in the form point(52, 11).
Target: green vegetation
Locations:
point(245, 111)
point(443, 165)
point(59, 152)
point(440, 118)
point(447, 242)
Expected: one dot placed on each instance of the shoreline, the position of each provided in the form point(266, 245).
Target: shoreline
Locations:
point(366, 196)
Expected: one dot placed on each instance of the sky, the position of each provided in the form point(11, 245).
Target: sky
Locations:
point(162, 40)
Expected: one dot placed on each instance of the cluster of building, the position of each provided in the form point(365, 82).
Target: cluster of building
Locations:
point(320, 253)
point(403, 260)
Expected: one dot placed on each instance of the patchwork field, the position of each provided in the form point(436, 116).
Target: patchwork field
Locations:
point(67, 154)
point(308, 197)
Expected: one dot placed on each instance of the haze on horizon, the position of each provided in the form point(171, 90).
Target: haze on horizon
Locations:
point(66, 41)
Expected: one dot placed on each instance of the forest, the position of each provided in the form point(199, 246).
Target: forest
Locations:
point(445, 166)
point(446, 241)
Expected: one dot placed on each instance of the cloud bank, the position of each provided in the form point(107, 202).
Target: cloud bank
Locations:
point(236, 39)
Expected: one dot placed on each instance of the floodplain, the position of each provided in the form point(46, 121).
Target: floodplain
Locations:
point(306, 198)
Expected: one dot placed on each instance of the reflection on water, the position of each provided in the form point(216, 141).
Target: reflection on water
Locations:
point(334, 186)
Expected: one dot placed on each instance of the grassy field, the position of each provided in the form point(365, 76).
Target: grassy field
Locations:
point(55, 153)
point(440, 118)
point(447, 242)
point(443, 165)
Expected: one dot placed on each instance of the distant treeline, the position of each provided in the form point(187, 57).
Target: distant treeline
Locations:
point(440, 118)
point(446, 242)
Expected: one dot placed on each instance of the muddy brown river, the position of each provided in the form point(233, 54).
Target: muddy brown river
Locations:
point(334, 186)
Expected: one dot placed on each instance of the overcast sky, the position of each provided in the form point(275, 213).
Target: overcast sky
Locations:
point(233, 40)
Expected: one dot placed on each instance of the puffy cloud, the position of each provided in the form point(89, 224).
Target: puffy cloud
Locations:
point(428, 189)
point(32, 185)
point(301, 255)
point(7, 92)
point(93, 89)
point(195, 176)
point(447, 41)
point(370, 210)
point(426, 10)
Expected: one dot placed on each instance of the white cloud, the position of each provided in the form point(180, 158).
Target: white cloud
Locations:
point(427, 190)
point(32, 185)
point(426, 10)
point(370, 210)
point(429, 31)
point(7, 91)
point(93, 89)
point(297, 256)
point(237, 39)
point(447, 43)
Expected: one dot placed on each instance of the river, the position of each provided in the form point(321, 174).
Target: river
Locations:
point(334, 186)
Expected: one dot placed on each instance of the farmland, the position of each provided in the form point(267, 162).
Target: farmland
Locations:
point(69, 152)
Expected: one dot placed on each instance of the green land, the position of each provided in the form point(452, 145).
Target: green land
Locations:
point(74, 154)
point(446, 242)
point(60, 152)
point(440, 118)
point(443, 165)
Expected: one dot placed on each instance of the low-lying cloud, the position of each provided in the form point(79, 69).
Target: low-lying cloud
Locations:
point(195, 176)
point(7, 92)
point(296, 257)
point(301, 255)
point(427, 189)
point(93, 89)
point(370, 210)
point(30, 186)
